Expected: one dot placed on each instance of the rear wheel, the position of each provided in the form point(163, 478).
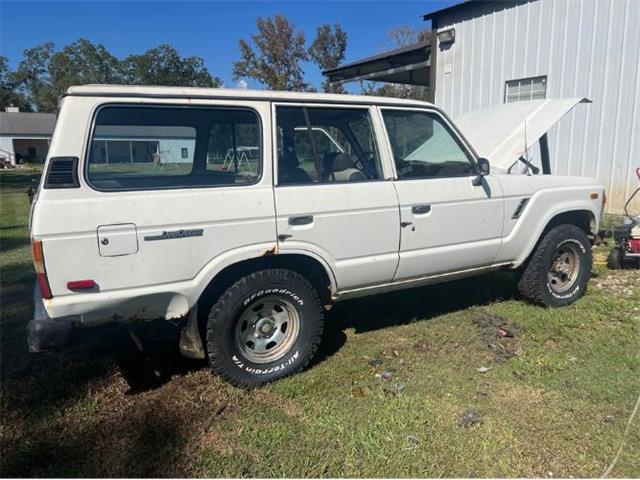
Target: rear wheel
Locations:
point(266, 326)
point(559, 269)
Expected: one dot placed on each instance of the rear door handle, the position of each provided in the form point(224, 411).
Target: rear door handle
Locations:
point(420, 209)
point(302, 220)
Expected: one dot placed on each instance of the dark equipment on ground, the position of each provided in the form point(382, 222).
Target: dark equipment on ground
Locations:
point(626, 251)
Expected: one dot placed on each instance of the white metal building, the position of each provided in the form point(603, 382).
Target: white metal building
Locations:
point(484, 53)
point(503, 52)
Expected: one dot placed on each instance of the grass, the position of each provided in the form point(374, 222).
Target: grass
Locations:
point(554, 403)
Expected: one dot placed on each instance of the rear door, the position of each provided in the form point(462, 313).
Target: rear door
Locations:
point(333, 197)
point(448, 222)
point(166, 189)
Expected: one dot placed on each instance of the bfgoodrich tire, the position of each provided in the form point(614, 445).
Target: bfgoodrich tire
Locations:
point(559, 269)
point(266, 326)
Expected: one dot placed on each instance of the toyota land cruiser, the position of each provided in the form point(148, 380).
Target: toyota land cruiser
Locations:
point(246, 214)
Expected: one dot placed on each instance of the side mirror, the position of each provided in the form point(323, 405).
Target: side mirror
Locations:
point(483, 169)
point(483, 166)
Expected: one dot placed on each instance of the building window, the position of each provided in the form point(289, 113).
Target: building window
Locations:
point(532, 88)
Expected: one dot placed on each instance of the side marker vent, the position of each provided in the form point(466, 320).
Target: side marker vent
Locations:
point(520, 208)
point(62, 173)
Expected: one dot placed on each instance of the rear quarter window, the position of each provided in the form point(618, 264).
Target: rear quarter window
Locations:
point(153, 147)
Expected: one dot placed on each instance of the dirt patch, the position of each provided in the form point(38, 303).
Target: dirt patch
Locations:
point(106, 431)
point(620, 284)
point(498, 335)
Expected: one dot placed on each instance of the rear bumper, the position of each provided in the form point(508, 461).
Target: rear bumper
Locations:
point(43, 332)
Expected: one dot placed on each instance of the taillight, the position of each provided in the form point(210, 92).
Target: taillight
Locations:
point(41, 272)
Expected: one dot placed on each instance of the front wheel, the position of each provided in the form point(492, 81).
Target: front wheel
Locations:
point(559, 269)
point(266, 326)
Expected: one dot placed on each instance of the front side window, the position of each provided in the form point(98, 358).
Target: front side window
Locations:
point(139, 148)
point(325, 145)
point(424, 147)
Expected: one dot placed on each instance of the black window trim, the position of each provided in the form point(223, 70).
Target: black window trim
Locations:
point(368, 107)
point(94, 116)
point(462, 142)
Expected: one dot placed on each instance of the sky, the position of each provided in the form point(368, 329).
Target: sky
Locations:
point(208, 29)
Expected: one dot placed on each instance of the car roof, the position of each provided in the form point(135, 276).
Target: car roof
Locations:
point(268, 95)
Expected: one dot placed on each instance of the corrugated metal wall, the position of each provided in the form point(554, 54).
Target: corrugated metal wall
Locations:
point(6, 146)
point(586, 48)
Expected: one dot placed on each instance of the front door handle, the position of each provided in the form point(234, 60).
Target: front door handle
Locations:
point(420, 209)
point(302, 220)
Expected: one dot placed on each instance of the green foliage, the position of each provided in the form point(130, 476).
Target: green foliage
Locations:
point(275, 56)
point(163, 65)
point(82, 62)
point(44, 73)
point(33, 78)
point(9, 96)
point(327, 50)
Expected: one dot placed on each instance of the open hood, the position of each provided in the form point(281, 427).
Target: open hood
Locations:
point(503, 133)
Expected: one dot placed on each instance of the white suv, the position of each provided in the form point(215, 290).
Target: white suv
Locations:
point(246, 214)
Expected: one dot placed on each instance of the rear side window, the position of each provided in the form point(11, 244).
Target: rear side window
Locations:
point(142, 148)
point(325, 145)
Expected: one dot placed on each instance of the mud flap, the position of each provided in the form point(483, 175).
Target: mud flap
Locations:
point(191, 345)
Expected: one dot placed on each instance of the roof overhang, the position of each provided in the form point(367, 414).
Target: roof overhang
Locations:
point(408, 65)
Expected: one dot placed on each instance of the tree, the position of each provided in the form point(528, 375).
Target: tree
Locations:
point(163, 65)
point(401, 37)
point(274, 59)
point(80, 63)
point(44, 75)
point(9, 95)
point(328, 50)
point(32, 77)
point(406, 35)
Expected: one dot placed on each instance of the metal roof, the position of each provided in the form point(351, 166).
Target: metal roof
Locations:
point(435, 13)
point(26, 123)
point(409, 65)
point(135, 91)
point(468, 7)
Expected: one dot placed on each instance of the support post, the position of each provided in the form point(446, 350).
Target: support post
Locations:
point(433, 54)
point(544, 155)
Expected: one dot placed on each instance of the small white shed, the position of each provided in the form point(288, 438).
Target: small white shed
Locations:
point(25, 136)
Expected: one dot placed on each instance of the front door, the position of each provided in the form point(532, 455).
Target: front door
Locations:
point(333, 198)
point(449, 222)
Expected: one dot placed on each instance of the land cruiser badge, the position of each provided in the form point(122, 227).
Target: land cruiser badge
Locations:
point(171, 234)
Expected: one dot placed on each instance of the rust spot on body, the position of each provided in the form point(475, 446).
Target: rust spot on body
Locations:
point(271, 251)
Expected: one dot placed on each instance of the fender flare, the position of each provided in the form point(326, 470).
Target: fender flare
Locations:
point(575, 206)
point(229, 258)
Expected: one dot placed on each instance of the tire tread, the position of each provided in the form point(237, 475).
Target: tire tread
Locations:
point(219, 311)
point(530, 286)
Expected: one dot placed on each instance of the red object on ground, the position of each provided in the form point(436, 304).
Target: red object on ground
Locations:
point(634, 244)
